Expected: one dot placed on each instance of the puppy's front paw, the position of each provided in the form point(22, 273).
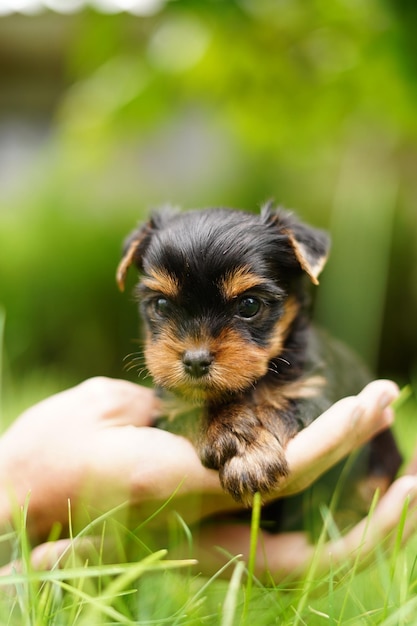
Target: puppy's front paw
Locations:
point(218, 446)
point(246, 444)
point(259, 469)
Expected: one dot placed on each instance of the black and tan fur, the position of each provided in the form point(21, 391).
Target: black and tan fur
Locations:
point(225, 299)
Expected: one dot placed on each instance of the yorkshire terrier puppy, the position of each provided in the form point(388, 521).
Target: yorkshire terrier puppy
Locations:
point(226, 307)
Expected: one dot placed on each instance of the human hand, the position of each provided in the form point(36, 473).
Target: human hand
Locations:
point(344, 427)
point(93, 444)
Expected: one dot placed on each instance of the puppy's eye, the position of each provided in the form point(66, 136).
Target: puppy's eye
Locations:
point(248, 306)
point(162, 306)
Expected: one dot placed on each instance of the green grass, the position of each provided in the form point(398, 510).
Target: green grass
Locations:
point(153, 589)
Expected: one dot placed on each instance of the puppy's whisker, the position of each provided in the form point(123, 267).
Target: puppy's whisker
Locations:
point(133, 361)
point(280, 358)
point(133, 366)
point(144, 373)
point(134, 355)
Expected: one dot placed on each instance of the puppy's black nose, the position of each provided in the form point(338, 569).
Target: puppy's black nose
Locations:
point(197, 362)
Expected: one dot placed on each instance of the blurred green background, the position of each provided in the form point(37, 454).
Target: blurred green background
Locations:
point(104, 115)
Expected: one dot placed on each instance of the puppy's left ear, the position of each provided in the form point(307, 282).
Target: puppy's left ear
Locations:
point(310, 246)
point(133, 250)
point(136, 244)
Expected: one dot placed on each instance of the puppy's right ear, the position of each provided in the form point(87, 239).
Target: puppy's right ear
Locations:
point(133, 250)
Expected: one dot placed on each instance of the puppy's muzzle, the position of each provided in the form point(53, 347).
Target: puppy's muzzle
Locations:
point(197, 362)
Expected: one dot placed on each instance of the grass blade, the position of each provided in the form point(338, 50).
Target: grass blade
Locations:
point(231, 599)
point(254, 534)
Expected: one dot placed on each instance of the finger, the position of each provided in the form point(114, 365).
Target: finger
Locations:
point(280, 556)
point(347, 425)
point(120, 402)
point(144, 466)
point(59, 554)
point(411, 467)
point(381, 528)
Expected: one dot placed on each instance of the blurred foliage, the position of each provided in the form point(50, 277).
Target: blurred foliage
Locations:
point(219, 103)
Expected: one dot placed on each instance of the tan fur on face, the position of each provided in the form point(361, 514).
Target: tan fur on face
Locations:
point(236, 283)
point(282, 327)
point(236, 364)
point(163, 358)
point(162, 282)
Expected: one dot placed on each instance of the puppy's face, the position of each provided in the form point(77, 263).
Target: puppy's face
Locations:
point(217, 295)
